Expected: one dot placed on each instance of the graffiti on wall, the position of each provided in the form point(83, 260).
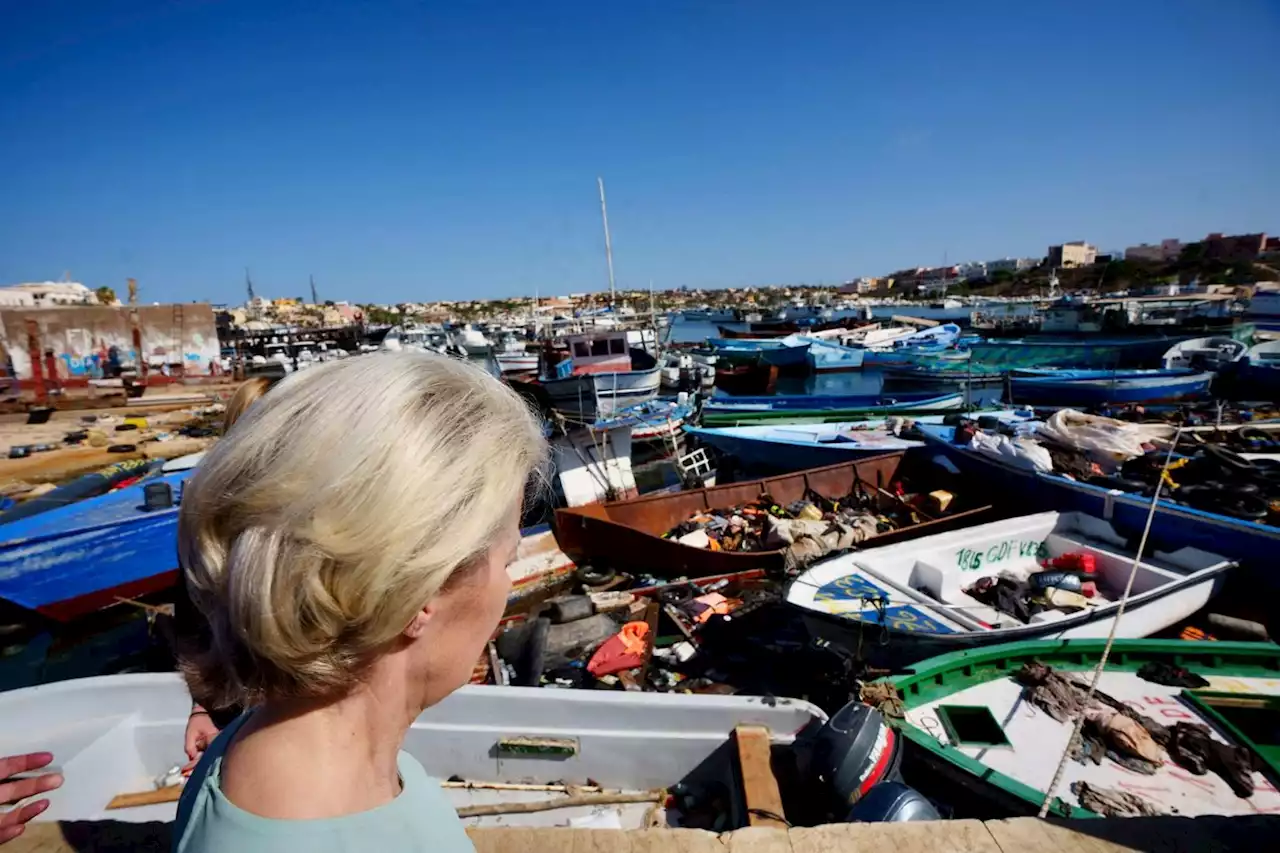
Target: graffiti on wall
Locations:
point(91, 342)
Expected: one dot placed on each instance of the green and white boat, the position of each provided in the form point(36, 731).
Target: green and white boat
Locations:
point(972, 727)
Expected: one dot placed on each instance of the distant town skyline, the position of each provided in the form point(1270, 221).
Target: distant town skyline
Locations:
point(411, 153)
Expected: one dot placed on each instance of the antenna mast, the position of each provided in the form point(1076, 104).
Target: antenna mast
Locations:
point(608, 245)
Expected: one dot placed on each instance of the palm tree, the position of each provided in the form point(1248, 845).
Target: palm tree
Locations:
point(106, 296)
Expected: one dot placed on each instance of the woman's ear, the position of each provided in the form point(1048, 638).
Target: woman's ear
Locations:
point(418, 625)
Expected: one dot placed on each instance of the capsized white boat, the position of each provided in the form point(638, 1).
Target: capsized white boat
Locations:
point(919, 592)
point(121, 734)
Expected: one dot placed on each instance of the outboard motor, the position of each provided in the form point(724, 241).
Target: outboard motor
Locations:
point(892, 802)
point(856, 758)
point(852, 753)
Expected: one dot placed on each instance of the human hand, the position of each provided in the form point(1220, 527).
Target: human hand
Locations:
point(200, 733)
point(14, 821)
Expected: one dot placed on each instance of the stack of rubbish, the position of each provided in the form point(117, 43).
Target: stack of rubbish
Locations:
point(807, 529)
point(1067, 583)
point(1116, 732)
point(637, 639)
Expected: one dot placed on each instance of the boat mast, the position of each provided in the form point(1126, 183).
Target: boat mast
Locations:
point(608, 245)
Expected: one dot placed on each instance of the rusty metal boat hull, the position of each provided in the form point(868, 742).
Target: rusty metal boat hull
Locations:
point(628, 534)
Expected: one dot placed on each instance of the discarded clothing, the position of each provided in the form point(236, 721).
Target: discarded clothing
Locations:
point(624, 650)
point(746, 527)
point(1109, 802)
point(882, 696)
point(1123, 734)
point(704, 607)
point(806, 541)
point(1007, 596)
point(1159, 672)
point(1192, 748)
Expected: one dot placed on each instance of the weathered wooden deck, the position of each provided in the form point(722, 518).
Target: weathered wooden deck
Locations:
point(1151, 835)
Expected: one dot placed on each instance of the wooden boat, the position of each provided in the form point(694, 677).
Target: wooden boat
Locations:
point(872, 403)
point(795, 417)
point(1257, 375)
point(1093, 351)
point(652, 421)
point(915, 592)
point(1096, 387)
point(1253, 543)
point(794, 447)
point(1214, 353)
point(600, 375)
point(773, 352)
point(942, 372)
point(628, 534)
point(971, 727)
point(75, 559)
point(114, 735)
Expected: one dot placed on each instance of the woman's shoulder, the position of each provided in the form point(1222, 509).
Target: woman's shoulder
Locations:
point(420, 818)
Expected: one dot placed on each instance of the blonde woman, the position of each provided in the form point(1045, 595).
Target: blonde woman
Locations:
point(203, 724)
point(348, 545)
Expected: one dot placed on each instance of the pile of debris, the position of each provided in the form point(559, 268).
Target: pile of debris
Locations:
point(807, 529)
point(1115, 732)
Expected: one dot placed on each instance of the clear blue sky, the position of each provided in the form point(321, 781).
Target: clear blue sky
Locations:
point(403, 150)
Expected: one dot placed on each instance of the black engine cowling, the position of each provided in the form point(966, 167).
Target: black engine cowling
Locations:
point(853, 752)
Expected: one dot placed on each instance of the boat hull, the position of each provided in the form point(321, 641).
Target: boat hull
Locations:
point(887, 403)
point(76, 559)
point(987, 782)
point(521, 362)
point(769, 449)
point(1083, 351)
point(628, 534)
point(114, 734)
point(923, 582)
point(1173, 525)
point(1119, 388)
point(599, 395)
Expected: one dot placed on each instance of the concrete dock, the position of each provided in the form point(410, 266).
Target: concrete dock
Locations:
point(1019, 835)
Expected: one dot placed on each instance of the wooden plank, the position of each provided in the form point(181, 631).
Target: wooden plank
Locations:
point(169, 794)
point(759, 787)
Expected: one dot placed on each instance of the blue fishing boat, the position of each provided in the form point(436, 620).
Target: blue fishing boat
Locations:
point(772, 352)
point(1257, 375)
point(1173, 526)
point(1098, 352)
point(943, 372)
point(924, 354)
point(826, 356)
point(784, 448)
point(654, 419)
point(75, 559)
point(911, 401)
point(1093, 387)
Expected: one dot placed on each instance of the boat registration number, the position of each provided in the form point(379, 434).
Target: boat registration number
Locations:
point(971, 559)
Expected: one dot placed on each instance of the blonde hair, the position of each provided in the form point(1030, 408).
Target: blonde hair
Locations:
point(246, 394)
point(324, 521)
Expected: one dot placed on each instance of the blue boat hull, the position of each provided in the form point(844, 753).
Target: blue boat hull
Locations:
point(761, 456)
point(1101, 352)
point(786, 358)
point(73, 560)
point(1091, 388)
point(804, 402)
point(1174, 526)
